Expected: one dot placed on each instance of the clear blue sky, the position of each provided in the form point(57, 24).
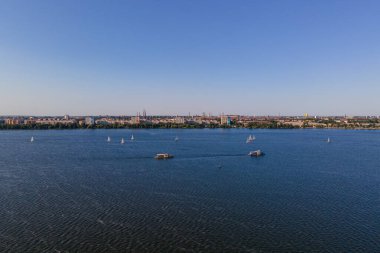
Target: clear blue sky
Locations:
point(179, 56)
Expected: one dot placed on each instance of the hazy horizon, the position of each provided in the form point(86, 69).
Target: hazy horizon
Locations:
point(175, 57)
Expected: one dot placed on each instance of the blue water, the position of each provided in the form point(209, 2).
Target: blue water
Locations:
point(71, 191)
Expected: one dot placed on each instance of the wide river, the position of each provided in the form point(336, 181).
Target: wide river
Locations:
point(71, 191)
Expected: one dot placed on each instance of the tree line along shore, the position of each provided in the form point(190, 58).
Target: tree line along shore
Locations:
point(271, 124)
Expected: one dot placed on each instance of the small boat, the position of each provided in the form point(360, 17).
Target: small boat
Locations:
point(32, 139)
point(250, 139)
point(328, 140)
point(109, 139)
point(256, 153)
point(122, 141)
point(176, 138)
point(132, 138)
point(163, 156)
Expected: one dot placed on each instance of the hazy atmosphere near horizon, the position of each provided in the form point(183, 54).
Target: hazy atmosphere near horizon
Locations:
point(175, 57)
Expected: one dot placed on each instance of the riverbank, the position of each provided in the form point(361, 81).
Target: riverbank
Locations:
point(172, 126)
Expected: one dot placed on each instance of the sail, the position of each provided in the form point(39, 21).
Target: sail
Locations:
point(250, 138)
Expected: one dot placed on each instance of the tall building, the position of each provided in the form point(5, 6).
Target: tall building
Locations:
point(225, 120)
point(144, 114)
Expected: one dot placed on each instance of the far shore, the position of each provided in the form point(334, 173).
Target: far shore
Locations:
point(179, 128)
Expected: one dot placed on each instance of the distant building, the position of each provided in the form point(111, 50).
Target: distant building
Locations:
point(104, 121)
point(234, 117)
point(179, 120)
point(66, 117)
point(144, 114)
point(30, 121)
point(89, 121)
point(135, 120)
point(12, 121)
point(50, 121)
point(225, 120)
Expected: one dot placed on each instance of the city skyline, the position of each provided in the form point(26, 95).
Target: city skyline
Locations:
point(191, 121)
point(176, 57)
point(203, 114)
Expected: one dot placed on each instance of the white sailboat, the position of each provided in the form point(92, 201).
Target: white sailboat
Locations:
point(122, 141)
point(328, 140)
point(176, 138)
point(32, 139)
point(109, 139)
point(250, 138)
point(132, 138)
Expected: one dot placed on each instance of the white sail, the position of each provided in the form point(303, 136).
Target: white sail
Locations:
point(109, 139)
point(132, 138)
point(32, 139)
point(176, 138)
point(250, 138)
point(122, 141)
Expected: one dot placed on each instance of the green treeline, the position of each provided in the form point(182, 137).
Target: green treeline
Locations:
point(269, 125)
